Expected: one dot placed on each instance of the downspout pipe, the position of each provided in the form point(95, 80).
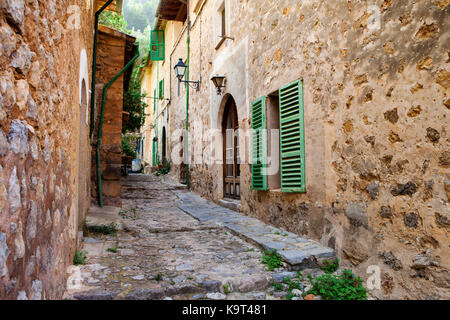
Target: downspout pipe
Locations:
point(100, 125)
point(94, 65)
point(188, 41)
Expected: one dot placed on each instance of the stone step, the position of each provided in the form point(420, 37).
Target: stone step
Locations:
point(231, 204)
point(299, 253)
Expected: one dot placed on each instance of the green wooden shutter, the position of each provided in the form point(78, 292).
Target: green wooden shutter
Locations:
point(157, 52)
point(153, 154)
point(161, 89)
point(292, 138)
point(259, 144)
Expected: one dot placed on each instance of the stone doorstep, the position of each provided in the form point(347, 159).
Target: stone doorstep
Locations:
point(231, 204)
point(299, 253)
point(104, 216)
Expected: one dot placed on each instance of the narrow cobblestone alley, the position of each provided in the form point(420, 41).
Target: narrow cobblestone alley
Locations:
point(161, 252)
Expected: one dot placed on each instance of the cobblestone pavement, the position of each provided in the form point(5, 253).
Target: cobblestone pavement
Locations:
point(161, 252)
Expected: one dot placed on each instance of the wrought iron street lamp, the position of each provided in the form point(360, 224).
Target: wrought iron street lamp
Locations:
point(180, 72)
point(218, 83)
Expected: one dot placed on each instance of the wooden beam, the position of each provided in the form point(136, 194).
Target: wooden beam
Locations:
point(115, 6)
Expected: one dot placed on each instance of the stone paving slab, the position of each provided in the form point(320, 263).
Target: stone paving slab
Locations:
point(299, 253)
point(164, 252)
point(106, 215)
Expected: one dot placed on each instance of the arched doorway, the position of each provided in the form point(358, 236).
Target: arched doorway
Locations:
point(231, 163)
point(164, 145)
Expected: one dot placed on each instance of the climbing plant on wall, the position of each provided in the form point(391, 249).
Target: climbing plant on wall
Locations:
point(113, 20)
point(134, 103)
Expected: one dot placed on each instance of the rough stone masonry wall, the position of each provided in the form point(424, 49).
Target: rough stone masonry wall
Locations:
point(40, 45)
point(110, 60)
point(376, 89)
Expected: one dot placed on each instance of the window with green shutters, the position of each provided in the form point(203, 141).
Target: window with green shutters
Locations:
point(259, 144)
point(161, 89)
point(292, 138)
point(157, 52)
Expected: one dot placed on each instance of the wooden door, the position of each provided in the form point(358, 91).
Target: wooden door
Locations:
point(231, 167)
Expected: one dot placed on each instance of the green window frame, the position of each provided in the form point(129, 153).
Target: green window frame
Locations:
point(259, 144)
point(157, 45)
point(292, 137)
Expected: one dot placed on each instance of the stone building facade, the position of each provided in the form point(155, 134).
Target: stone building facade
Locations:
point(115, 50)
point(45, 71)
point(375, 78)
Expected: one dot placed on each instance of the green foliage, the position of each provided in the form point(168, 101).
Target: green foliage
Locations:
point(140, 13)
point(290, 296)
point(158, 277)
point(278, 287)
point(338, 287)
point(272, 259)
point(112, 20)
point(127, 146)
point(128, 214)
point(80, 257)
point(109, 229)
point(226, 288)
point(143, 37)
point(163, 169)
point(293, 284)
point(329, 267)
point(134, 103)
point(113, 250)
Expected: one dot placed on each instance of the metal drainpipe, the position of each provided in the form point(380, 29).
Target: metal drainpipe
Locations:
point(100, 126)
point(157, 113)
point(94, 65)
point(188, 40)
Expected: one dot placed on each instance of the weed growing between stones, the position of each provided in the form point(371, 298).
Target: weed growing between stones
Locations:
point(272, 259)
point(128, 214)
point(290, 284)
point(278, 287)
point(226, 288)
point(110, 229)
point(158, 277)
point(338, 287)
point(329, 267)
point(113, 250)
point(163, 169)
point(80, 257)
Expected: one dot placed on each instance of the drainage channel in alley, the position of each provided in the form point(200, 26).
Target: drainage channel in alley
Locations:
point(167, 243)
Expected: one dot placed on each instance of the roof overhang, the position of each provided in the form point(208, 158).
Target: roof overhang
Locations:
point(172, 10)
point(115, 6)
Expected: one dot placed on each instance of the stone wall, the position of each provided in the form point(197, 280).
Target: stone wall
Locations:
point(45, 47)
point(110, 60)
point(376, 79)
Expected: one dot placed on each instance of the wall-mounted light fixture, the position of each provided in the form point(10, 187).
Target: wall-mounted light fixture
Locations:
point(218, 83)
point(180, 72)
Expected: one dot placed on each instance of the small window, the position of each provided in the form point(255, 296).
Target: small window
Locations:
point(278, 140)
point(223, 29)
point(273, 142)
point(221, 25)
